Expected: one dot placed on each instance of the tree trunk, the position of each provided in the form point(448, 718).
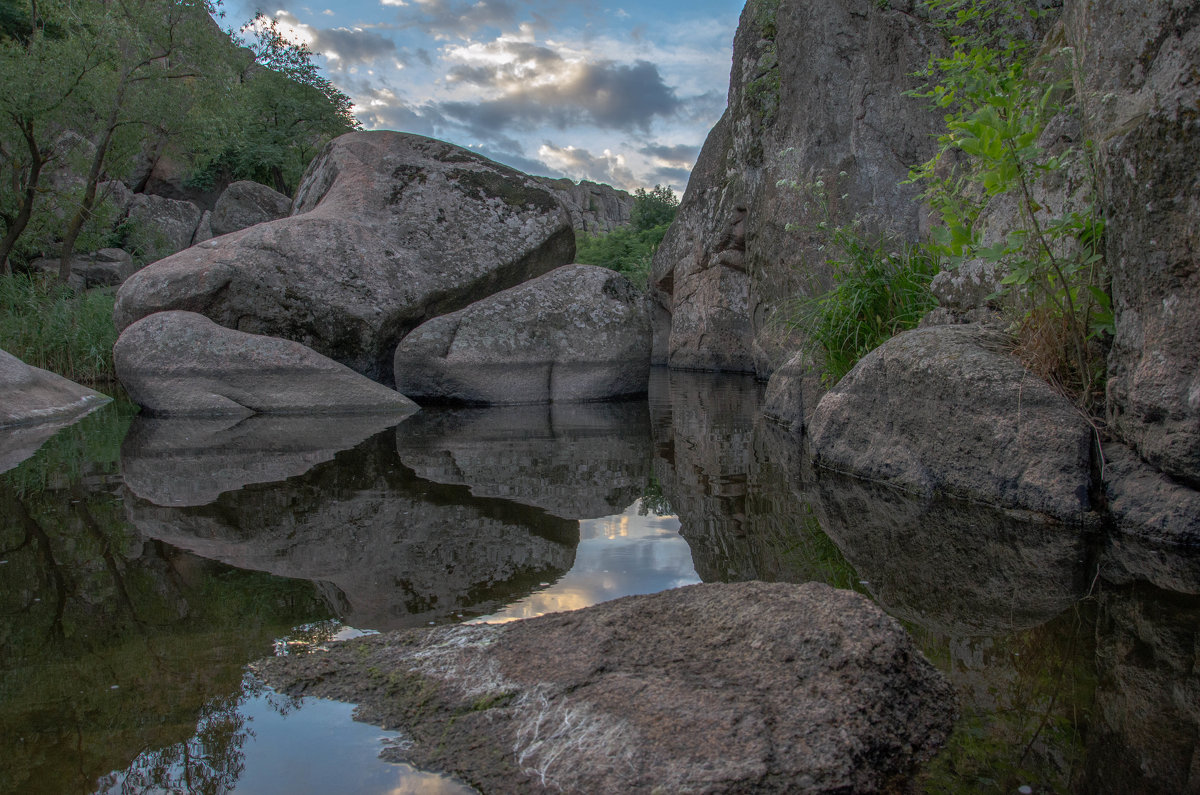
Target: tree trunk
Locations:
point(36, 161)
point(75, 226)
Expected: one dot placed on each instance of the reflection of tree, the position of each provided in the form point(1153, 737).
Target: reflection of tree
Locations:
point(207, 763)
point(653, 500)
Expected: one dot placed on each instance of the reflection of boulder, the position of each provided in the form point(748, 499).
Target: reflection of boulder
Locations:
point(727, 477)
point(1145, 732)
point(576, 461)
point(955, 567)
point(190, 461)
point(711, 688)
point(400, 550)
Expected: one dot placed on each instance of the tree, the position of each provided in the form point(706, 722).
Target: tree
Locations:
point(653, 208)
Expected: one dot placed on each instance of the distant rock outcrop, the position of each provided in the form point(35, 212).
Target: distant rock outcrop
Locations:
point(816, 93)
point(578, 333)
point(595, 208)
point(387, 231)
point(183, 364)
point(744, 687)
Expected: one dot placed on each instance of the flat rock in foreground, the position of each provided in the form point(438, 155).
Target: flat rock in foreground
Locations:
point(710, 688)
point(183, 364)
point(578, 333)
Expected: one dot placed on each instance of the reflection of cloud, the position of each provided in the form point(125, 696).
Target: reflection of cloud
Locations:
point(617, 556)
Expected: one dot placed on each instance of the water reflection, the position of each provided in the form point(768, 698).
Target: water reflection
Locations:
point(141, 572)
point(636, 552)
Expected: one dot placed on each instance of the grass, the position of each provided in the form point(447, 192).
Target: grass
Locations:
point(48, 325)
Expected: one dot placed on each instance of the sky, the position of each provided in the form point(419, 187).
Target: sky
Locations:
point(617, 93)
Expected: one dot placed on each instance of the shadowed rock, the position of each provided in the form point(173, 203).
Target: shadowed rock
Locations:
point(387, 231)
point(182, 461)
point(946, 410)
point(390, 549)
point(244, 204)
point(1148, 504)
point(31, 395)
point(183, 364)
point(578, 333)
point(576, 461)
point(954, 567)
point(709, 688)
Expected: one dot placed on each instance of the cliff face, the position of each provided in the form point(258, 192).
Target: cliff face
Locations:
point(816, 93)
point(595, 208)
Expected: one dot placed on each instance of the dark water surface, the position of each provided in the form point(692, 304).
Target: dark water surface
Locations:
point(144, 563)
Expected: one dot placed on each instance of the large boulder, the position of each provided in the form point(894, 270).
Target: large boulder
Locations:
point(30, 395)
point(578, 333)
point(816, 92)
point(158, 226)
point(183, 364)
point(244, 204)
point(1136, 67)
point(388, 230)
point(948, 409)
point(709, 688)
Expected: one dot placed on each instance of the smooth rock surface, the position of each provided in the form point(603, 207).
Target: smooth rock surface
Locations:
point(816, 93)
point(183, 364)
point(387, 231)
point(709, 688)
point(244, 204)
point(948, 410)
point(578, 333)
point(30, 395)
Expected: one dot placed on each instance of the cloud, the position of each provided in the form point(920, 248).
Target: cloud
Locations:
point(679, 155)
point(345, 46)
point(582, 164)
point(456, 17)
point(603, 94)
point(675, 178)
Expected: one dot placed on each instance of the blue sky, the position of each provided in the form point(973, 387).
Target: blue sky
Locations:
point(616, 93)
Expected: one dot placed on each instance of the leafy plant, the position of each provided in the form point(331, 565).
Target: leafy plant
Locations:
point(998, 95)
point(625, 250)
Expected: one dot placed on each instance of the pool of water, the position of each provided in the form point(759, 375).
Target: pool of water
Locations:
point(145, 563)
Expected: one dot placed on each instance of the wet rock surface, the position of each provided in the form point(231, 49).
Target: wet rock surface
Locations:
point(578, 333)
point(183, 364)
point(948, 410)
point(387, 231)
point(780, 687)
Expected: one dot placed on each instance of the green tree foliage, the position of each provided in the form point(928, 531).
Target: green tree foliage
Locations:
point(630, 249)
point(284, 112)
point(998, 94)
point(655, 207)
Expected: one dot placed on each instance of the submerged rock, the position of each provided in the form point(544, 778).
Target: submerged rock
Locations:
point(30, 395)
point(709, 688)
point(578, 333)
point(183, 364)
point(387, 231)
point(946, 409)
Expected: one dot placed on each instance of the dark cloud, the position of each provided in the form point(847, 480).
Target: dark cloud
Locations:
point(459, 17)
point(521, 163)
point(675, 178)
point(604, 94)
point(681, 154)
point(352, 46)
point(386, 112)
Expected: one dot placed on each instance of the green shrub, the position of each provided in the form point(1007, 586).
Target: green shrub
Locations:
point(625, 249)
point(50, 326)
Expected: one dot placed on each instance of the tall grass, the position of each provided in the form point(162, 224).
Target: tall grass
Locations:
point(880, 288)
point(48, 325)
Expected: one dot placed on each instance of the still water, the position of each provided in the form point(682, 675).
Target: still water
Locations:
point(144, 563)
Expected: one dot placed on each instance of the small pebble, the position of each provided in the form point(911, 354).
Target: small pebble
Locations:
point(1025, 789)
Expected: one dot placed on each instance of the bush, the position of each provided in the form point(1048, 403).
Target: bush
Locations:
point(625, 249)
point(48, 325)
